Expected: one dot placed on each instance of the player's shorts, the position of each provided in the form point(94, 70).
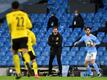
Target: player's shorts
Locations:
point(90, 56)
point(19, 43)
point(32, 56)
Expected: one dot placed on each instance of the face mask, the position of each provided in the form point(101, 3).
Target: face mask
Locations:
point(76, 14)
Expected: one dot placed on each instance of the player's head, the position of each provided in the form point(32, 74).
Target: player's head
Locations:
point(76, 12)
point(55, 30)
point(15, 5)
point(87, 30)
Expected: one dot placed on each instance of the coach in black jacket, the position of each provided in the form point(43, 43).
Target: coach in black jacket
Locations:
point(55, 42)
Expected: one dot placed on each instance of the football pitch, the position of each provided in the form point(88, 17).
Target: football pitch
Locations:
point(53, 78)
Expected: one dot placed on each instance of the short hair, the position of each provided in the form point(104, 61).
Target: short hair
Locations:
point(15, 4)
point(55, 27)
point(87, 28)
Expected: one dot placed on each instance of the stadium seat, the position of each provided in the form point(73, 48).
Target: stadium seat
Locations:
point(81, 53)
point(42, 49)
point(73, 62)
point(101, 34)
point(83, 15)
point(55, 61)
point(45, 63)
point(102, 49)
point(80, 63)
point(105, 53)
point(105, 40)
point(100, 53)
point(65, 62)
point(38, 53)
point(39, 62)
point(72, 53)
point(64, 53)
point(74, 49)
point(66, 49)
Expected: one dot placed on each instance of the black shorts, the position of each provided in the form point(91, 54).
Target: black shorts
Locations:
point(19, 43)
point(32, 56)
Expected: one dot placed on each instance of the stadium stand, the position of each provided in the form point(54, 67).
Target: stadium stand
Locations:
point(94, 20)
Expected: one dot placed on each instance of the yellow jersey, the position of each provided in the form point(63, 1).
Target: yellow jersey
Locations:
point(31, 40)
point(18, 21)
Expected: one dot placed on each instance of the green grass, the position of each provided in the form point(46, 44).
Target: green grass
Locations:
point(53, 78)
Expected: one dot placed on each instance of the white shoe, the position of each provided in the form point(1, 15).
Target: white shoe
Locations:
point(99, 75)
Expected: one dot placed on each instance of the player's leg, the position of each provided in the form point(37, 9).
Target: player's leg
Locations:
point(25, 58)
point(35, 67)
point(16, 58)
point(16, 61)
point(24, 48)
point(27, 63)
point(52, 55)
point(93, 58)
point(59, 62)
point(87, 60)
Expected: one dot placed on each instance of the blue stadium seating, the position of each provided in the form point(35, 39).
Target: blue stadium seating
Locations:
point(70, 56)
point(102, 49)
point(105, 40)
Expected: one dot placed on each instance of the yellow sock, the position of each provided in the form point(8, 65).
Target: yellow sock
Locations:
point(35, 67)
point(17, 63)
point(26, 57)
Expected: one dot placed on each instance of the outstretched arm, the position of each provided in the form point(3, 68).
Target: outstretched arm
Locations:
point(77, 42)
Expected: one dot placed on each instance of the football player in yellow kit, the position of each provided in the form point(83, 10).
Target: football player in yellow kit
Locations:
point(30, 56)
point(18, 21)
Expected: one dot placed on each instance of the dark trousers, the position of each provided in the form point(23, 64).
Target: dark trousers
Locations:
point(56, 53)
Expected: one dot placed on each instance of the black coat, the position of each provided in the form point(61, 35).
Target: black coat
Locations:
point(55, 41)
point(54, 20)
point(79, 21)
